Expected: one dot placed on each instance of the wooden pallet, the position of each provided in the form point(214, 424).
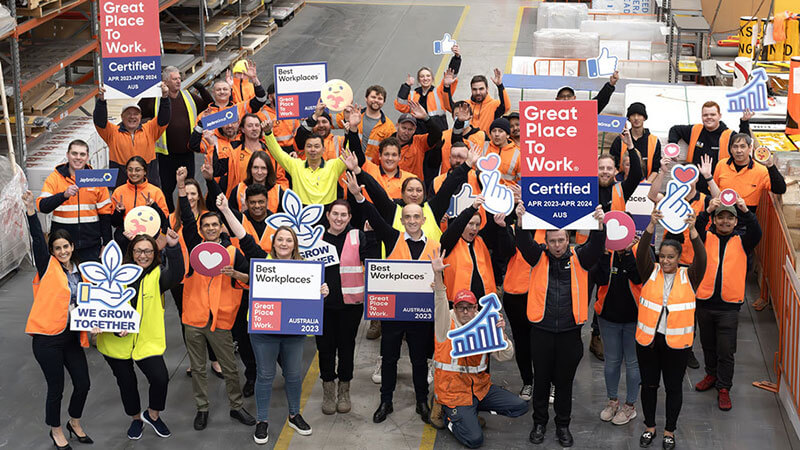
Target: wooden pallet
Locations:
point(41, 9)
point(259, 41)
point(256, 11)
point(54, 101)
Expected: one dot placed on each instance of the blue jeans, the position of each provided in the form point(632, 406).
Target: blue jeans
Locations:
point(266, 348)
point(462, 421)
point(618, 342)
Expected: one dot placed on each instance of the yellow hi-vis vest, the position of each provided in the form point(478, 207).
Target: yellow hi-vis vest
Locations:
point(191, 108)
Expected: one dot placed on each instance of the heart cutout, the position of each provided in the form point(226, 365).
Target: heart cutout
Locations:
point(489, 162)
point(684, 174)
point(728, 197)
point(671, 150)
point(210, 260)
point(615, 231)
point(620, 230)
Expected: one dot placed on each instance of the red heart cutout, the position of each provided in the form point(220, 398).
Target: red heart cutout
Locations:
point(728, 197)
point(672, 150)
point(489, 162)
point(684, 174)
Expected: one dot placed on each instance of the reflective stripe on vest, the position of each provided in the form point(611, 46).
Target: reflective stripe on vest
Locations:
point(191, 109)
point(439, 111)
point(453, 367)
point(509, 175)
point(617, 197)
point(680, 309)
point(652, 140)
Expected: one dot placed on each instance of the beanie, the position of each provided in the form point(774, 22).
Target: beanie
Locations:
point(501, 123)
point(637, 108)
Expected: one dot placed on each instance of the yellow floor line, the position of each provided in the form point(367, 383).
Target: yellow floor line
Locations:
point(446, 58)
point(513, 49)
point(309, 381)
point(428, 438)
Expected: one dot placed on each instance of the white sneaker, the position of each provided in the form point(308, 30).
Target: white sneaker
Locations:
point(526, 392)
point(624, 415)
point(430, 371)
point(376, 374)
point(609, 411)
point(552, 394)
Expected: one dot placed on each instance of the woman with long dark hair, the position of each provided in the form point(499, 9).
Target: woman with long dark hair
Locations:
point(136, 191)
point(260, 170)
point(146, 347)
point(55, 347)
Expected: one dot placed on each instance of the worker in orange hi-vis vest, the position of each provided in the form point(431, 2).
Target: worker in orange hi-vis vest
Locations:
point(463, 386)
point(712, 137)
point(648, 144)
point(484, 108)
point(665, 324)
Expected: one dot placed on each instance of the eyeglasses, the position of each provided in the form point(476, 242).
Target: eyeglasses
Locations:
point(467, 308)
point(147, 251)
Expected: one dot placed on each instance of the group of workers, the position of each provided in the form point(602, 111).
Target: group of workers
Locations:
point(387, 189)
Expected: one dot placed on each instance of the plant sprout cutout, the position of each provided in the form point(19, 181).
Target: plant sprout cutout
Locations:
point(110, 275)
point(302, 219)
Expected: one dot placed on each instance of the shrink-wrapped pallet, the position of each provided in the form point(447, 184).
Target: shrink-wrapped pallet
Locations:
point(561, 15)
point(562, 43)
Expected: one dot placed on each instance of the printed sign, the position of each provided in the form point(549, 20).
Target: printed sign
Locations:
point(209, 258)
point(142, 219)
point(303, 220)
point(752, 96)
point(337, 94)
point(620, 230)
point(298, 88)
point(103, 303)
point(221, 118)
point(640, 207)
point(671, 150)
point(96, 178)
point(461, 201)
point(611, 124)
point(285, 297)
point(131, 48)
point(674, 205)
point(602, 66)
point(728, 197)
point(559, 164)
point(498, 198)
point(481, 334)
point(445, 46)
point(399, 290)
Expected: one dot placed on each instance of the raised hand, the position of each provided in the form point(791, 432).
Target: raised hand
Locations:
point(409, 80)
point(266, 126)
point(713, 205)
point(497, 78)
point(437, 261)
point(164, 90)
point(252, 71)
point(229, 77)
point(353, 187)
point(180, 176)
point(614, 78)
point(417, 110)
point(520, 212)
point(353, 117)
point(29, 201)
point(599, 214)
point(747, 115)
point(207, 171)
point(349, 159)
point(318, 109)
point(456, 50)
point(705, 166)
point(211, 137)
point(449, 77)
point(626, 138)
point(172, 237)
point(222, 203)
point(479, 200)
point(740, 203)
point(473, 154)
point(500, 219)
point(101, 93)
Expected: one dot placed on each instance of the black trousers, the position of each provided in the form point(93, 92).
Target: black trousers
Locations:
point(718, 331)
point(242, 339)
point(177, 295)
point(168, 165)
point(54, 353)
point(419, 337)
point(555, 359)
point(339, 329)
point(516, 307)
point(154, 369)
point(655, 361)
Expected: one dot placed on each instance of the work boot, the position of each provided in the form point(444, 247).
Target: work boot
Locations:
point(724, 400)
point(328, 397)
point(374, 331)
point(706, 383)
point(437, 415)
point(343, 401)
point(596, 347)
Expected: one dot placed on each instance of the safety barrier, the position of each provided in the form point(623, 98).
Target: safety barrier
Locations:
point(787, 365)
point(773, 249)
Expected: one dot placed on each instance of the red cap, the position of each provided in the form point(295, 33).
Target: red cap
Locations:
point(465, 295)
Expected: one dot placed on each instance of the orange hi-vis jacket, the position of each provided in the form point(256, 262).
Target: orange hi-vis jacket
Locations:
point(483, 113)
point(477, 138)
point(602, 291)
point(173, 223)
point(49, 314)
point(680, 309)
point(401, 250)
point(652, 141)
point(733, 267)
point(220, 296)
point(392, 184)
point(436, 100)
point(518, 272)
point(283, 130)
point(273, 197)
point(240, 157)
point(724, 139)
point(122, 145)
point(456, 381)
point(242, 90)
point(412, 155)
point(382, 130)
point(539, 283)
point(749, 182)
point(509, 161)
point(459, 275)
point(133, 195)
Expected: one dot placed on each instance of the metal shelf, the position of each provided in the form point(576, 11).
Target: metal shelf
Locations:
point(73, 50)
point(32, 23)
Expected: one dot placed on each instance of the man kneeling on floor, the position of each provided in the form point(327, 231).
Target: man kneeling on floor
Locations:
point(463, 386)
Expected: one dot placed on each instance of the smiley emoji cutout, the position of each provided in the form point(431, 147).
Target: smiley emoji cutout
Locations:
point(142, 220)
point(336, 94)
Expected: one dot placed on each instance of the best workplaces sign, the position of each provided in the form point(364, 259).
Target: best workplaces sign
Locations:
point(131, 48)
point(559, 165)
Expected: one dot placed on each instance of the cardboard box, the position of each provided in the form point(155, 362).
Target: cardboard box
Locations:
point(792, 215)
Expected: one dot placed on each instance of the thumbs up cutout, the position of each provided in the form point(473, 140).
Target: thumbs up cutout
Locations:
point(602, 66)
point(445, 46)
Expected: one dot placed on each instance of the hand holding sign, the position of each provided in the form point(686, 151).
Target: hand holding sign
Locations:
point(620, 230)
point(499, 198)
point(142, 220)
point(460, 201)
point(672, 150)
point(336, 94)
point(673, 206)
point(603, 65)
point(445, 46)
point(728, 197)
point(209, 258)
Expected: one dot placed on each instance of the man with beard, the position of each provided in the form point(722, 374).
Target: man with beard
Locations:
point(484, 108)
point(374, 126)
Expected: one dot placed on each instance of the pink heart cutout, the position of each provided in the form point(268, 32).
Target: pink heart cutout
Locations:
point(685, 174)
point(728, 197)
point(489, 162)
point(671, 150)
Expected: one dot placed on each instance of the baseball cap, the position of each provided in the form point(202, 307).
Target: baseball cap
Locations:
point(565, 88)
point(731, 209)
point(465, 295)
point(405, 117)
point(512, 115)
point(131, 105)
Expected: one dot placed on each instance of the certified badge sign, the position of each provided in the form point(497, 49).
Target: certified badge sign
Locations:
point(559, 164)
